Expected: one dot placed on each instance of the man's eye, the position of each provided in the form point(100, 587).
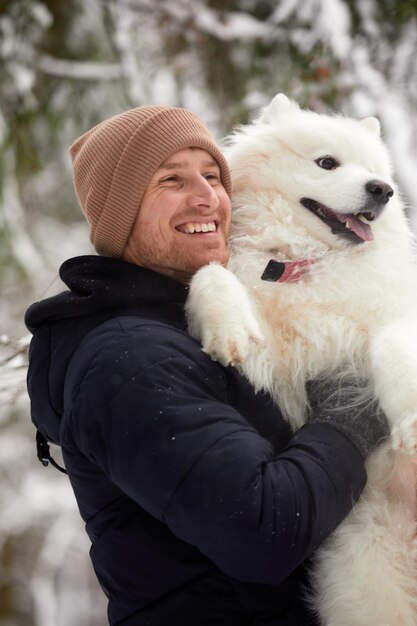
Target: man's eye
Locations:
point(211, 176)
point(170, 179)
point(327, 162)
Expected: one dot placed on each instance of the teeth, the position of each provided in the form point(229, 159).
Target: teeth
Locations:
point(198, 227)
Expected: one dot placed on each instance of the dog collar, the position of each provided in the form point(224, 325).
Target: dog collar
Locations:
point(286, 271)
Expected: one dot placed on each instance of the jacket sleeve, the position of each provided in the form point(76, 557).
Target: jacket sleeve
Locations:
point(151, 410)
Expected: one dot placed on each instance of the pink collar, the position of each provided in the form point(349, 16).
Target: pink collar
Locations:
point(286, 271)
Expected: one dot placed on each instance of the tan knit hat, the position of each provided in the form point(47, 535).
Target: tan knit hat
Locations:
point(114, 161)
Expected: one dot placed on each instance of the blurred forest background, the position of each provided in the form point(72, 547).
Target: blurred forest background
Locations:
point(64, 66)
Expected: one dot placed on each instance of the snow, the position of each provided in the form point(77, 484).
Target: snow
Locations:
point(229, 27)
point(41, 14)
point(335, 24)
point(82, 70)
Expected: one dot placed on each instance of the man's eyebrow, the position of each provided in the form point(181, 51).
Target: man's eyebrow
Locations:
point(182, 164)
point(172, 165)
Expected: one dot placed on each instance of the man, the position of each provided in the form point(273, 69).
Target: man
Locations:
point(202, 507)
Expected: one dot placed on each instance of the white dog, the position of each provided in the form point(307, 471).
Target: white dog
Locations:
point(315, 193)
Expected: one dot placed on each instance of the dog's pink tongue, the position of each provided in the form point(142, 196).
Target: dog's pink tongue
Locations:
point(360, 229)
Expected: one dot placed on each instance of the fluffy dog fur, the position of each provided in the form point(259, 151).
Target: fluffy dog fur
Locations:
point(355, 309)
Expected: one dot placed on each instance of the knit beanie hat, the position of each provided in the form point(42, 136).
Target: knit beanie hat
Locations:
point(114, 161)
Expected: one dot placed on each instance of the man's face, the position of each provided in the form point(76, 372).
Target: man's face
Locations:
point(184, 218)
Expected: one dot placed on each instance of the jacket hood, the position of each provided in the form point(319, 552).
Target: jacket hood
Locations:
point(100, 288)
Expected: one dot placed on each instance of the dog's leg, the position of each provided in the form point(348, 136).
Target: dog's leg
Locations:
point(365, 574)
point(394, 366)
point(221, 315)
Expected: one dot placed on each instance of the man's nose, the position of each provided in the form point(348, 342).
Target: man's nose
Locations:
point(203, 194)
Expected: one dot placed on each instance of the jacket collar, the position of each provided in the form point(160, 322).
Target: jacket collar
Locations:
point(99, 284)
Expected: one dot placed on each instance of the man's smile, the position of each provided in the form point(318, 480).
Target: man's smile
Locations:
point(197, 227)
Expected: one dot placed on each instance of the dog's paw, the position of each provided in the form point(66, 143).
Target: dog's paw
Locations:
point(221, 315)
point(231, 341)
point(404, 436)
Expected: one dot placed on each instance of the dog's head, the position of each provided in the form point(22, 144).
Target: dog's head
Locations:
point(332, 173)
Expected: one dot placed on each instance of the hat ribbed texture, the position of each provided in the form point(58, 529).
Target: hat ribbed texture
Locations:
point(114, 161)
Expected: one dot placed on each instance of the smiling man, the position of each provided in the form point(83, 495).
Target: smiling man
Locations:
point(184, 217)
point(200, 503)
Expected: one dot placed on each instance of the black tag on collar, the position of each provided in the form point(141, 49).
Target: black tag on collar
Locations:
point(273, 271)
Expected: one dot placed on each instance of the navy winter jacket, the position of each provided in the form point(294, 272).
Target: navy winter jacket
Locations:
point(201, 506)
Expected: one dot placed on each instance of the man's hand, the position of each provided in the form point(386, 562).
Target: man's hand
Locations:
point(346, 404)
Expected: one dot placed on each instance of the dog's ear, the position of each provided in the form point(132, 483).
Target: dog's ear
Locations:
point(276, 107)
point(372, 124)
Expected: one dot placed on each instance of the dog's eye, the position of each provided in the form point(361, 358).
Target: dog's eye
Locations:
point(327, 163)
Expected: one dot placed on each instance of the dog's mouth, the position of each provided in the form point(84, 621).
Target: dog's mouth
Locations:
point(351, 225)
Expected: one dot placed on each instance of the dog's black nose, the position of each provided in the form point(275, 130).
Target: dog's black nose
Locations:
point(381, 192)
